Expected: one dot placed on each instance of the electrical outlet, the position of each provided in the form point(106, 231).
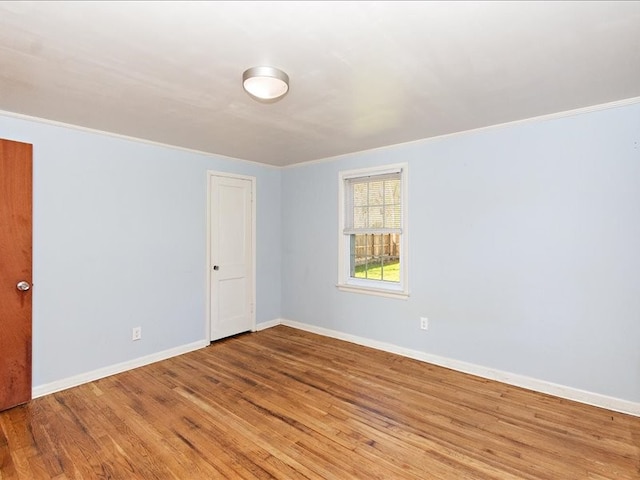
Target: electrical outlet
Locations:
point(424, 323)
point(136, 333)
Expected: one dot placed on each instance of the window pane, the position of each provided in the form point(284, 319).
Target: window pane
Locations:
point(374, 271)
point(360, 194)
point(391, 192)
point(360, 217)
point(391, 270)
point(376, 192)
point(392, 216)
point(376, 217)
point(376, 257)
point(375, 203)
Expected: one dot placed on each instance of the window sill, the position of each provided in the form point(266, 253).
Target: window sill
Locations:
point(373, 291)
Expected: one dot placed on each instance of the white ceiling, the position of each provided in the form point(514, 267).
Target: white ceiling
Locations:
point(363, 74)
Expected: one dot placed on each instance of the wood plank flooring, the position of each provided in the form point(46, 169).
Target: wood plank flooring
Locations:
point(287, 404)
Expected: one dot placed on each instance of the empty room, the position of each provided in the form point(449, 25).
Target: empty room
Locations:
point(319, 240)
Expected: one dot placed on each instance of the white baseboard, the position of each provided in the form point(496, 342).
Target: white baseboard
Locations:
point(269, 324)
point(76, 380)
point(562, 391)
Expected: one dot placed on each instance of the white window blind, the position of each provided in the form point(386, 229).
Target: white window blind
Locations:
point(373, 204)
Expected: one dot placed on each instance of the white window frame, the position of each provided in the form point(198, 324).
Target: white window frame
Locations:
point(347, 283)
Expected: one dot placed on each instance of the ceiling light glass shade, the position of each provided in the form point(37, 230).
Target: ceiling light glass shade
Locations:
point(265, 83)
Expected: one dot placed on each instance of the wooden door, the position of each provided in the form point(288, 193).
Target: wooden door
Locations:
point(15, 272)
point(231, 254)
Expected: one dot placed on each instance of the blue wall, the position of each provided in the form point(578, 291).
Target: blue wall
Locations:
point(119, 241)
point(524, 250)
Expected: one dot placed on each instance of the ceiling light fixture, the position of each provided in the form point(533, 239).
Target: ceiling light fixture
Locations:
point(266, 84)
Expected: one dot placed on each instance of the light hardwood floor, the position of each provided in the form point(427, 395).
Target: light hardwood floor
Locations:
point(287, 404)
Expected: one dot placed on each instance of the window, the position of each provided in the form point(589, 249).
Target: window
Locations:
point(373, 231)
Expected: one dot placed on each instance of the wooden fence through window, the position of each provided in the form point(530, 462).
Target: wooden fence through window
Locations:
point(377, 245)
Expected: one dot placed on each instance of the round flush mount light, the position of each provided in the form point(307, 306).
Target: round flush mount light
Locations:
point(266, 84)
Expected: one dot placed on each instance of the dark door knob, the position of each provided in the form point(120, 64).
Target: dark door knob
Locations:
point(216, 267)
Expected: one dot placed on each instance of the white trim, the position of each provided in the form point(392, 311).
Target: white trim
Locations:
point(366, 290)
point(48, 388)
point(363, 173)
point(345, 283)
point(375, 231)
point(540, 118)
point(269, 324)
point(371, 171)
point(95, 131)
point(542, 386)
point(569, 393)
point(252, 179)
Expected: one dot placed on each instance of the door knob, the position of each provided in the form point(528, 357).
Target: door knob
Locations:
point(23, 286)
point(216, 267)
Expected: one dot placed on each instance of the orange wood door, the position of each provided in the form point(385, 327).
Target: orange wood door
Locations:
point(16, 173)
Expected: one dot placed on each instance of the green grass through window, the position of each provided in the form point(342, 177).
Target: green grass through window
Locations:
point(391, 272)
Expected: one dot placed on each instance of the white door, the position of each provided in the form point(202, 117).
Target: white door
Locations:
point(231, 255)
